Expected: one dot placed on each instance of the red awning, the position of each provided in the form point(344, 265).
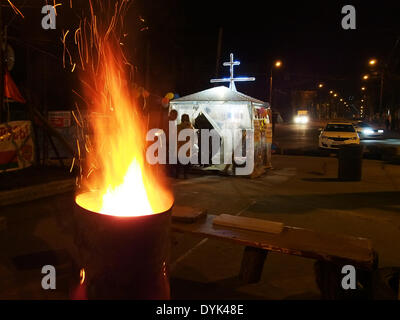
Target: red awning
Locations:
point(11, 90)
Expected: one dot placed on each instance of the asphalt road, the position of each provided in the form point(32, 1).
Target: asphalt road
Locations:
point(298, 137)
point(300, 192)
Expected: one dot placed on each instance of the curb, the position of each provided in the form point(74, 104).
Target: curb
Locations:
point(36, 192)
point(383, 153)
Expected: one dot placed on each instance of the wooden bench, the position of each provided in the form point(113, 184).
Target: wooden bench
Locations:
point(331, 251)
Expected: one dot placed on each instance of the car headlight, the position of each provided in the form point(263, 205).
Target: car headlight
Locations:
point(380, 131)
point(368, 131)
point(304, 120)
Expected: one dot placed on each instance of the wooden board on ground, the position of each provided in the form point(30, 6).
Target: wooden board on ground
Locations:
point(334, 248)
point(245, 223)
point(187, 214)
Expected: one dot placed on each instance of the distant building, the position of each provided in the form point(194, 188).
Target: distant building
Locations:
point(304, 100)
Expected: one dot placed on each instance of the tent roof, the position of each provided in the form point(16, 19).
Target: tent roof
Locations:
point(220, 93)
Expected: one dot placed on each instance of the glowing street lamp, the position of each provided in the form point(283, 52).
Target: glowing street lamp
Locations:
point(276, 64)
point(366, 77)
point(335, 95)
point(331, 92)
point(372, 63)
point(363, 88)
point(321, 85)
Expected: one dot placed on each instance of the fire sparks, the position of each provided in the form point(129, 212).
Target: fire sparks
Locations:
point(15, 9)
point(82, 276)
point(121, 183)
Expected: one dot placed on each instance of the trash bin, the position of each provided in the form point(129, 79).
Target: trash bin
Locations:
point(350, 162)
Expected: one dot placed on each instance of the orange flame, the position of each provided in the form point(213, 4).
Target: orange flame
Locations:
point(122, 183)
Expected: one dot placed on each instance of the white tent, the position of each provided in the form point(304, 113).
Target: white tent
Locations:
point(224, 108)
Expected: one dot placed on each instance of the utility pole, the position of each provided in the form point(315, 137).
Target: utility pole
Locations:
point(276, 64)
point(270, 88)
point(219, 45)
point(381, 92)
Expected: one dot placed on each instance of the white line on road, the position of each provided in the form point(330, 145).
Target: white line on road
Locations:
point(203, 241)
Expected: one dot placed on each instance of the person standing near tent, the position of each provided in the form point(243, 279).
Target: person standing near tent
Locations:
point(201, 123)
point(172, 116)
point(185, 124)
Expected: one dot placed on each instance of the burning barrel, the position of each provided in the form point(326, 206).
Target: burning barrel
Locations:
point(123, 257)
point(122, 228)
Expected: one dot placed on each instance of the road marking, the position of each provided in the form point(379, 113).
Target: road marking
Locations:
point(356, 215)
point(203, 241)
point(183, 256)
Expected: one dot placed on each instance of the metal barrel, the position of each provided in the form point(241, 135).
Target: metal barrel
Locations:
point(124, 257)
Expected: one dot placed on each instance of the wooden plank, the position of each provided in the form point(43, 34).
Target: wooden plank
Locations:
point(295, 241)
point(245, 223)
point(187, 214)
point(36, 192)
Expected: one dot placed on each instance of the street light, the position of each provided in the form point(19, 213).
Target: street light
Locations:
point(363, 88)
point(373, 62)
point(331, 92)
point(321, 85)
point(365, 77)
point(277, 64)
point(335, 95)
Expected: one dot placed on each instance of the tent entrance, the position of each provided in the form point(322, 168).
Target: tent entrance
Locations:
point(214, 147)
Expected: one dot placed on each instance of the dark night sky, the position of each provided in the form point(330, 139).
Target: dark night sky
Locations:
point(306, 35)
